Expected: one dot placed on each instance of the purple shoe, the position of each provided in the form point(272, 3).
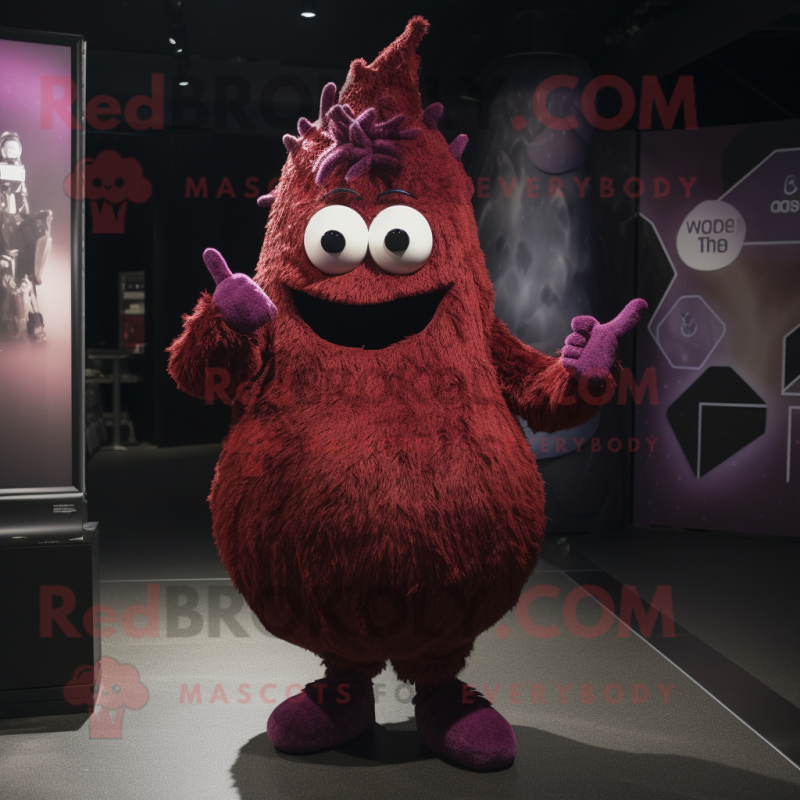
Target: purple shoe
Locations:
point(328, 712)
point(459, 724)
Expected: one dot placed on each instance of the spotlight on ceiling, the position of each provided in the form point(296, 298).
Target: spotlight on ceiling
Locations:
point(183, 83)
point(179, 50)
point(308, 14)
point(172, 41)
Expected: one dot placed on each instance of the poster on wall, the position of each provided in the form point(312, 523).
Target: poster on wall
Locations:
point(41, 319)
point(719, 264)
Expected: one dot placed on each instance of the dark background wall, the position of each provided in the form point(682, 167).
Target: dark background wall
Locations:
point(253, 68)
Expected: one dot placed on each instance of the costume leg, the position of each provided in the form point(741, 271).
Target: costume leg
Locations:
point(455, 721)
point(334, 663)
point(442, 662)
point(327, 712)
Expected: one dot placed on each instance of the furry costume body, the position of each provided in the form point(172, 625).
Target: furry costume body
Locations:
point(375, 504)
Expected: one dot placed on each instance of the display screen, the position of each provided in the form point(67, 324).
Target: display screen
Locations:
point(38, 247)
point(719, 264)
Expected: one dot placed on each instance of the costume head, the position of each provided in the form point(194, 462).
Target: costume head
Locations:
point(10, 146)
point(373, 205)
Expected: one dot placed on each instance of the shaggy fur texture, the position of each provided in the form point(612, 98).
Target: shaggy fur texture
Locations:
point(376, 505)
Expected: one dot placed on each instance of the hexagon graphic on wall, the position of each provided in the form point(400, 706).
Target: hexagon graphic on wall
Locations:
point(791, 362)
point(717, 416)
point(689, 332)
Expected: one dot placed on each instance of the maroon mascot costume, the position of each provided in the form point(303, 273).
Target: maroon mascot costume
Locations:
point(376, 499)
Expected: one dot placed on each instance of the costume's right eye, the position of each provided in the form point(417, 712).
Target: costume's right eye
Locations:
point(336, 239)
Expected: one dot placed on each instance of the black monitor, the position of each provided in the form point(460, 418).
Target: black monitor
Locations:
point(42, 449)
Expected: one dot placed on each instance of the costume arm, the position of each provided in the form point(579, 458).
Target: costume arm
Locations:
point(540, 389)
point(24, 208)
point(209, 358)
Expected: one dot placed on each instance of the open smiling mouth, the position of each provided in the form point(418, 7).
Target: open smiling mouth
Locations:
point(372, 326)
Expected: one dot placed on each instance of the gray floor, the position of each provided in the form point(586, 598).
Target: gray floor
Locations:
point(687, 747)
point(737, 593)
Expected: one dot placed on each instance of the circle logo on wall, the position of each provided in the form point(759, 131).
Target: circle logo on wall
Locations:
point(711, 236)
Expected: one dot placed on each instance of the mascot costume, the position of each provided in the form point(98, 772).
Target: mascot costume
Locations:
point(375, 500)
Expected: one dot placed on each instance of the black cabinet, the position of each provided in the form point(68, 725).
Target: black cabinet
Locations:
point(48, 593)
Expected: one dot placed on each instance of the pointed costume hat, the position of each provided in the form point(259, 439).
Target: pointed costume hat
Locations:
point(369, 122)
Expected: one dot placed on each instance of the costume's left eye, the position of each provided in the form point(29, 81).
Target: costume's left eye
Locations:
point(336, 239)
point(400, 240)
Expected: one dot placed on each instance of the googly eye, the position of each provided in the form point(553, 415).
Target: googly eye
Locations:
point(336, 240)
point(400, 240)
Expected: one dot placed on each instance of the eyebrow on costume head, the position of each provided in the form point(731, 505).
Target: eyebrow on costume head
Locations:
point(340, 190)
point(395, 191)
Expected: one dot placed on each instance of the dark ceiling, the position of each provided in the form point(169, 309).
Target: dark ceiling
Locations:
point(739, 47)
point(460, 33)
point(251, 29)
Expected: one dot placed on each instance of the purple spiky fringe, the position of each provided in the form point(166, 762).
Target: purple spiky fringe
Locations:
point(327, 100)
point(361, 141)
point(304, 126)
point(291, 143)
point(458, 144)
point(266, 200)
point(432, 114)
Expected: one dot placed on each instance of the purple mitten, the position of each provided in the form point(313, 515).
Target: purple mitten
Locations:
point(592, 348)
point(243, 303)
